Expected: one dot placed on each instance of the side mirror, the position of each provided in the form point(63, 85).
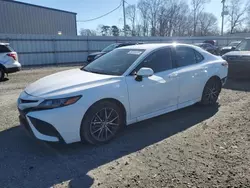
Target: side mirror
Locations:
point(144, 72)
point(233, 48)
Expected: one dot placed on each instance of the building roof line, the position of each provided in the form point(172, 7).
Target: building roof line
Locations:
point(18, 2)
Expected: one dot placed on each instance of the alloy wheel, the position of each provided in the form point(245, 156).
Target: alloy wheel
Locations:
point(104, 124)
point(212, 93)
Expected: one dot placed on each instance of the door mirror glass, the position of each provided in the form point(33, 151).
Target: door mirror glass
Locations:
point(145, 72)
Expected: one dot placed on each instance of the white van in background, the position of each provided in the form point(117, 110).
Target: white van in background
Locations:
point(8, 60)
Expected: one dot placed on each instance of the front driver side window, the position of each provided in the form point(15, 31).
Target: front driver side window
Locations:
point(158, 61)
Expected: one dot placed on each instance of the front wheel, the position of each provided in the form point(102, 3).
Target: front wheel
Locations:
point(102, 122)
point(211, 91)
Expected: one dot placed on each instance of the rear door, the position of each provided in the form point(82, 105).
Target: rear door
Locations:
point(192, 73)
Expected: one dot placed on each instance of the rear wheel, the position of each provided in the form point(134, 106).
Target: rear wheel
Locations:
point(211, 91)
point(1, 74)
point(102, 122)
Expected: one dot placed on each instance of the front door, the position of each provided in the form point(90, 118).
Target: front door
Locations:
point(157, 92)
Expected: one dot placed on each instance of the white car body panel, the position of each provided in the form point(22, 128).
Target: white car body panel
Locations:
point(154, 93)
point(158, 94)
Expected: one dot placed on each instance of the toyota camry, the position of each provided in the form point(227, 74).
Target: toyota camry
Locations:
point(127, 85)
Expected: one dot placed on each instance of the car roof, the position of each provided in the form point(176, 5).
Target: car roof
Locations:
point(154, 46)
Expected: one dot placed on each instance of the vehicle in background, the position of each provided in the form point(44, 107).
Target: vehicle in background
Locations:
point(231, 47)
point(91, 57)
point(8, 60)
point(208, 47)
point(239, 60)
point(128, 85)
point(212, 42)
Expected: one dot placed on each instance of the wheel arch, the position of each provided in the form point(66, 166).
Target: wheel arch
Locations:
point(119, 103)
point(216, 77)
point(113, 100)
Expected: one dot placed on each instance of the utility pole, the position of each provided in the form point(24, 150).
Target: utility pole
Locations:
point(124, 18)
point(222, 16)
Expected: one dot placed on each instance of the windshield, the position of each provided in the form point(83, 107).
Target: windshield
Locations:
point(110, 48)
point(233, 43)
point(115, 62)
point(244, 46)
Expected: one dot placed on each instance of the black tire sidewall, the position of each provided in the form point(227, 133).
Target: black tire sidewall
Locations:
point(210, 82)
point(85, 126)
point(2, 77)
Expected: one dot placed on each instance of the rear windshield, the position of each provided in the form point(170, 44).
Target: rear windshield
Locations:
point(5, 49)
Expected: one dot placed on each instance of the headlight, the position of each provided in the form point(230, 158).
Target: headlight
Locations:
point(56, 103)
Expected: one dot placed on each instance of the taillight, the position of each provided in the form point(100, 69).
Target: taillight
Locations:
point(225, 64)
point(13, 55)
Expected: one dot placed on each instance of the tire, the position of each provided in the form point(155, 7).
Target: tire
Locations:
point(1, 74)
point(98, 127)
point(211, 91)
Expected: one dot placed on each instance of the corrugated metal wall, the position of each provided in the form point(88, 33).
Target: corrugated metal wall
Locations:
point(47, 50)
point(20, 18)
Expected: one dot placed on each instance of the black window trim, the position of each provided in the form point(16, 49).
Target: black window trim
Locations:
point(172, 58)
point(175, 56)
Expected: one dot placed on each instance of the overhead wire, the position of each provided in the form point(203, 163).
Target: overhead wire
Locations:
point(101, 15)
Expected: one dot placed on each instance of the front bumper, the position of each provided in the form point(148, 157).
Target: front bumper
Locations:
point(52, 125)
point(40, 129)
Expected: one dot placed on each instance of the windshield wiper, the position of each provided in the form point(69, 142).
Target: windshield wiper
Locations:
point(92, 71)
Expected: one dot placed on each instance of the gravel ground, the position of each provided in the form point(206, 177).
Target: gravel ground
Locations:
point(194, 147)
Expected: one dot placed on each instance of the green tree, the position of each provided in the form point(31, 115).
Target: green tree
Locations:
point(115, 31)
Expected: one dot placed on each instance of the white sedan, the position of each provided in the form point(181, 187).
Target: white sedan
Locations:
point(127, 85)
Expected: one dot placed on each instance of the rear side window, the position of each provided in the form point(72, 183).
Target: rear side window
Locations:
point(198, 56)
point(158, 61)
point(186, 56)
point(4, 49)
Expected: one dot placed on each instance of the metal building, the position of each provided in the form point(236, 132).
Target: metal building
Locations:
point(23, 18)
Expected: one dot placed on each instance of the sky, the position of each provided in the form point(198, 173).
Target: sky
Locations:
point(88, 9)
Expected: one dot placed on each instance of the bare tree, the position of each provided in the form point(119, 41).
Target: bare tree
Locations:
point(153, 7)
point(87, 32)
point(131, 16)
point(237, 14)
point(207, 24)
point(144, 11)
point(139, 30)
point(197, 8)
point(182, 26)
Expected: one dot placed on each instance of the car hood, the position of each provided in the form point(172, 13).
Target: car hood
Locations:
point(238, 53)
point(67, 82)
point(96, 53)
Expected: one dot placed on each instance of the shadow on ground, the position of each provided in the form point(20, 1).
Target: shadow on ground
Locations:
point(5, 80)
point(238, 84)
point(26, 162)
